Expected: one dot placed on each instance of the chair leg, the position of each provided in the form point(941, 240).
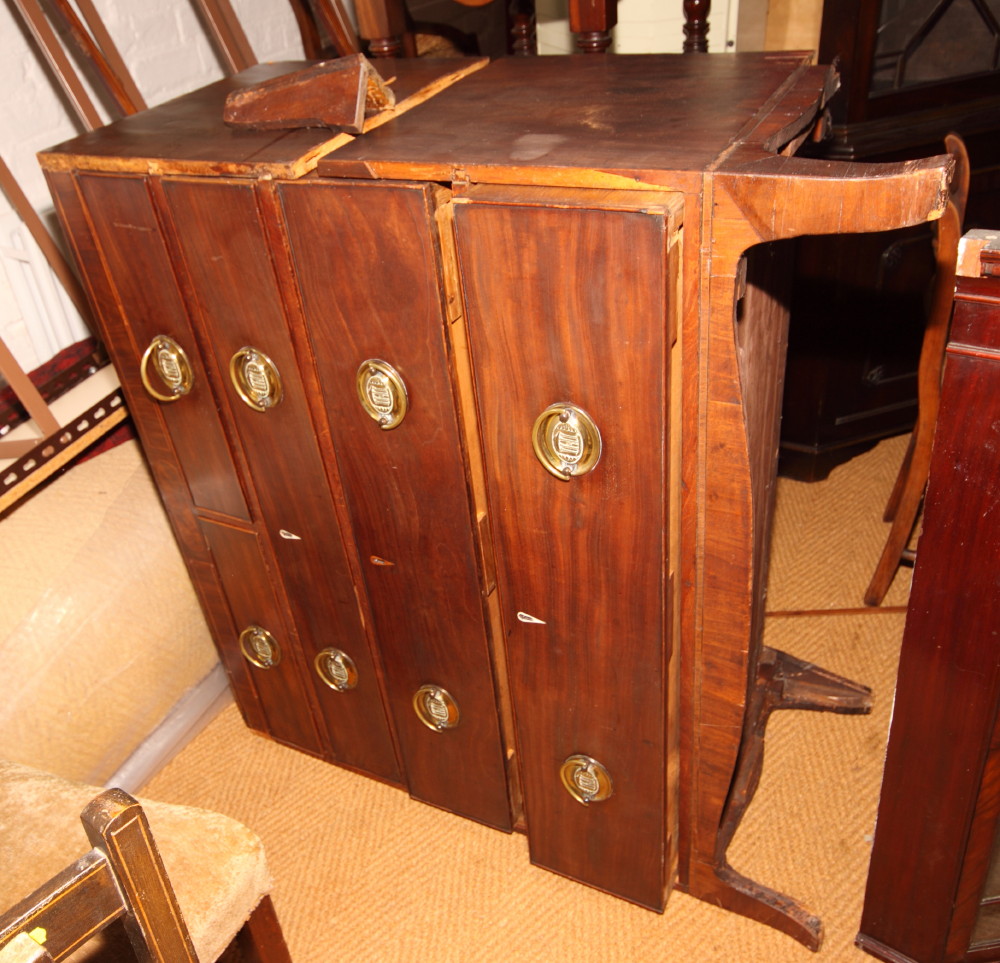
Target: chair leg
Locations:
point(902, 524)
point(907, 493)
point(892, 505)
point(261, 939)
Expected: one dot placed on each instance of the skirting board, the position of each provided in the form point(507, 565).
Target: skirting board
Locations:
point(195, 710)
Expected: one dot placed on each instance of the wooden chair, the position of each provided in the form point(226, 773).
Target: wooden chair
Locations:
point(204, 887)
point(907, 493)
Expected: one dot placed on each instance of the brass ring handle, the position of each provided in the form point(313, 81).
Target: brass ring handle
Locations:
point(337, 669)
point(255, 378)
point(585, 779)
point(566, 441)
point(382, 393)
point(435, 708)
point(171, 364)
point(259, 647)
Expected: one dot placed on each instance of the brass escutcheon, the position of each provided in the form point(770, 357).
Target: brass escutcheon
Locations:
point(259, 647)
point(585, 779)
point(336, 669)
point(255, 378)
point(435, 708)
point(566, 441)
point(171, 364)
point(382, 393)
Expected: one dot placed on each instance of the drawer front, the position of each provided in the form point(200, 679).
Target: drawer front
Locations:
point(146, 292)
point(272, 661)
point(227, 267)
point(365, 262)
point(567, 307)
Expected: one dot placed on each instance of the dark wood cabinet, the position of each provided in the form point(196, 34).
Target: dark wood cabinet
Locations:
point(468, 427)
point(933, 892)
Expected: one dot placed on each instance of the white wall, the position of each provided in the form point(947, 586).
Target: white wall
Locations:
point(168, 53)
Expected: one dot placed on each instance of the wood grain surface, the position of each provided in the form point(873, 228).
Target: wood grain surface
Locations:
point(227, 268)
point(371, 288)
point(940, 802)
point(570, 303)
point(187, 135)
point(651, 120)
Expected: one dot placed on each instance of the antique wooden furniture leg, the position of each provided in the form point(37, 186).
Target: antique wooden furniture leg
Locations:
point(696, 25)
point(384, 28)
point(783, 682)
point(521, 27)
point(907, 494)
point(740, 442)
point(591, 23)
point(382, 25)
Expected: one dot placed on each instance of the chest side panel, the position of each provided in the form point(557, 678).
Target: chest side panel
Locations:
point(366, 265)
point(568, 306)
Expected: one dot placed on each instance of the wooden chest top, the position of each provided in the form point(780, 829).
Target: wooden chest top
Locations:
point(636, 117)
point(187, 135)
point(619, 121)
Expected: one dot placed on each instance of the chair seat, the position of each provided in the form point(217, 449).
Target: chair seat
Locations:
point(216, 864)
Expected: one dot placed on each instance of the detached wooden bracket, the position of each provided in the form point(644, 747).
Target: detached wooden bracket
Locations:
point(337, 93)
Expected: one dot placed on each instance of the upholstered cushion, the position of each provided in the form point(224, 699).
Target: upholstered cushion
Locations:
point(216, 865)
point(100, 629)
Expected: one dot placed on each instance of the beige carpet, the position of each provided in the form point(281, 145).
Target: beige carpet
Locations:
point(365, 874)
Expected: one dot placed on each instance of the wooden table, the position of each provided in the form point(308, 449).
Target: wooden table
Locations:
point(473, 449)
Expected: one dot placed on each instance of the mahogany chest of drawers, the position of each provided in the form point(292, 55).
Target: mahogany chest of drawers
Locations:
point(467, 427)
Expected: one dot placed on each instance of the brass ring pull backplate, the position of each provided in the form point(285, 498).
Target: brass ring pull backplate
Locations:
point(259, 647)
point(336, 669)
point(382, 393)
point(435, 708)
point(566, 441)
point(171, 364)
point(585, 779)
point(255, 378)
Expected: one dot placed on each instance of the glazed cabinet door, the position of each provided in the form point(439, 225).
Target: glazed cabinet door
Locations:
point(569, 298)
point(366, 261)
point(224, 256)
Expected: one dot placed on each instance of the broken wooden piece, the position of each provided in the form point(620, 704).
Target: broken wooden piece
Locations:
point(337, 93)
